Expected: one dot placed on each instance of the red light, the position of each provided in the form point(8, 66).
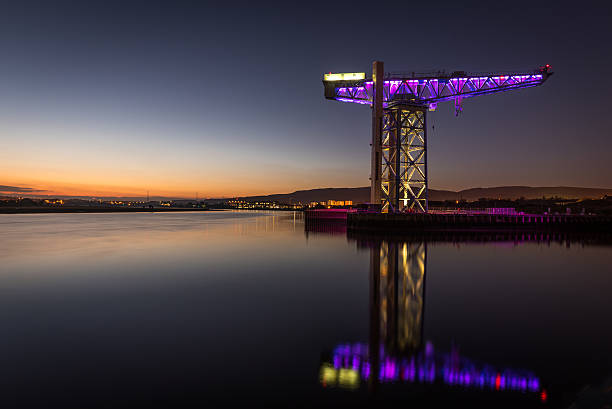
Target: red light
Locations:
point(497, 382)
point(543, 395)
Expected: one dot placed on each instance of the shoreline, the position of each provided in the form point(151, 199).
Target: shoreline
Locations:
point(35, 210)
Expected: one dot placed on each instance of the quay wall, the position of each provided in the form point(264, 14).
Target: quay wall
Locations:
point(428, 221)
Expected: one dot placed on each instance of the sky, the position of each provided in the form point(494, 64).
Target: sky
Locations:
point(224, 99)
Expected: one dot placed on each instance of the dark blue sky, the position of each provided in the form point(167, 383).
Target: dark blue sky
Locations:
point(225, 98)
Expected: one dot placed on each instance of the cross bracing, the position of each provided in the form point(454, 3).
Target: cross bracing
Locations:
point(399, 128)
point(432, 90)
point(403, 167)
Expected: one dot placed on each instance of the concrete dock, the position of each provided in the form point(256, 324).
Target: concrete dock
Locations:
point(428, 221)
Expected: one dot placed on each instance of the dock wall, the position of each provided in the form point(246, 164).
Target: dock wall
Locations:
point(429, 221)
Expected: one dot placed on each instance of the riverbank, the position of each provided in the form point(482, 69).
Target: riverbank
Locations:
point(91, 209)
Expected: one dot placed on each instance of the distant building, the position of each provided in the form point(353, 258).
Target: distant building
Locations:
point(54, 202)
point(339, 202)
point(505, 211)
point(243, 204)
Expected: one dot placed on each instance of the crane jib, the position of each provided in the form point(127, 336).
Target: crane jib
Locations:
point(433, 89)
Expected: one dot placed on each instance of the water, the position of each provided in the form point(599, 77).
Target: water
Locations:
point(180, 309)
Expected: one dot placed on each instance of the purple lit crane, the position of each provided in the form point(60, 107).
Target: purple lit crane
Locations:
point(399, 127)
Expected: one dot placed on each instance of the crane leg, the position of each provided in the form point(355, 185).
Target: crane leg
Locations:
point(403, 168)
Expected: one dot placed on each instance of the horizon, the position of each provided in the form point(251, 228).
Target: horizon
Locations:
point(156, 197)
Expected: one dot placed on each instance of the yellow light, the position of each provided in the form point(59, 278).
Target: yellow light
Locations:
point(348, 378)
point(347, 76)
point(328, 375)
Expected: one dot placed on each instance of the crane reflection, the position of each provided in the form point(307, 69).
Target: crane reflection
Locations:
point(396, 352)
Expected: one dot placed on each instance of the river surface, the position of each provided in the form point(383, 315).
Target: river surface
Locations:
point(181, 309)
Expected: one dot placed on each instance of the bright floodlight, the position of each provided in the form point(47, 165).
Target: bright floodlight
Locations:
point(347, 76)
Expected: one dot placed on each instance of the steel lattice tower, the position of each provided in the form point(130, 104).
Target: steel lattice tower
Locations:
point(404, 158)
point(399, 122)
point(400, 272)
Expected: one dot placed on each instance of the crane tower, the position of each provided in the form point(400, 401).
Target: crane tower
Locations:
point(399, 121)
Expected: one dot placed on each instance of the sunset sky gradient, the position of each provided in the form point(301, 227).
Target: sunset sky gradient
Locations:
point(120, 98)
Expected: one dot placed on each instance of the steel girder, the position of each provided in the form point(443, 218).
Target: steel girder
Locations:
point(402, 288)
point(429, 90)
point(404, 159)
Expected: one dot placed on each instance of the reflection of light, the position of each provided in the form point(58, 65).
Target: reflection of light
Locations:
point(343, 377)
point(328, 375)
point(424, 367)
point(348, 378)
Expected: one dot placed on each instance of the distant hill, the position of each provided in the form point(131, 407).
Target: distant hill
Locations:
point(516, 192)
point(356, 194)
point(362, 194)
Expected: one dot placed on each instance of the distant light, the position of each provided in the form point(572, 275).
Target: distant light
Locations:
point(348, 76)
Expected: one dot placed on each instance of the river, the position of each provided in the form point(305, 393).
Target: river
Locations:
point(183, 308)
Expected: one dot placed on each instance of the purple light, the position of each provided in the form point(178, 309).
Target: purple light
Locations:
point(430, 91)
point(421, 373)
point(356, 101)
point(355, 362)
point(342, 349)
point(366, 370)
point(424, 368)
point(361, 93)
point(390, 369)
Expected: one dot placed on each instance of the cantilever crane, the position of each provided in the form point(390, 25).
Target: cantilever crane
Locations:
point(399, 129)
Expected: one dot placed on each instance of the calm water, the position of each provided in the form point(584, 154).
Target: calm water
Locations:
point(184, 308)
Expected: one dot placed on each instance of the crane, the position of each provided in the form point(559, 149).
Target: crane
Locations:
point(400, 102)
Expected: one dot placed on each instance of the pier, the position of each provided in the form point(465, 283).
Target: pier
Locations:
point(429, 221)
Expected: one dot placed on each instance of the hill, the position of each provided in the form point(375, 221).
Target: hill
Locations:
point(516, 192)
point(362, 194)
